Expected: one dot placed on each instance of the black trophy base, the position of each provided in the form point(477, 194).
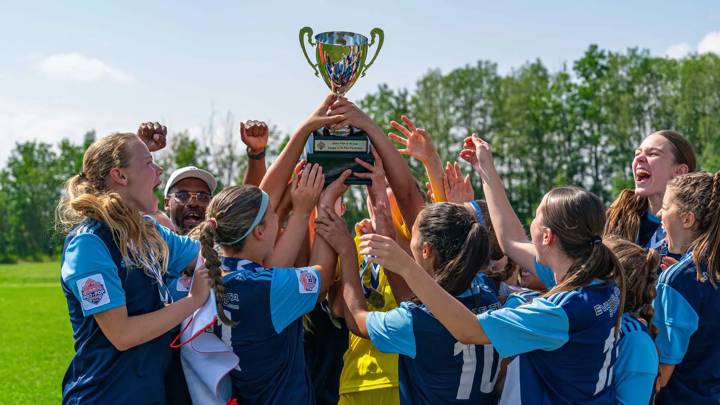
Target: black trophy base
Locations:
point(337, 153)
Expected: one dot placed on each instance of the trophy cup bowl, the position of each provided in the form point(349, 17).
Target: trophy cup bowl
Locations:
point(340, 61)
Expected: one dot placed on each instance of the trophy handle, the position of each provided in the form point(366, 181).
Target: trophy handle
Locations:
point(381, 35)
point(309, 32)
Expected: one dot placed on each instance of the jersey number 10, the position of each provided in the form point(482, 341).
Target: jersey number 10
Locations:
point(487, 382)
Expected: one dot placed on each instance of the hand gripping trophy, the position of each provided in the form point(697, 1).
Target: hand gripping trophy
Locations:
point(340, 60)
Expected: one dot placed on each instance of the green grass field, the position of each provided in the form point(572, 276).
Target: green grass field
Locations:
point(36, 342)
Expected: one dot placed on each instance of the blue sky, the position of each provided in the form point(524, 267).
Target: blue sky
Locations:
point(70, 66)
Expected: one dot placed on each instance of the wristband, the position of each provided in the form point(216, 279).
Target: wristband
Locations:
point(258, 156)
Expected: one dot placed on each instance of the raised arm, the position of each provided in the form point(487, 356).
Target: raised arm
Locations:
point(279, 172)
point(330, 227)
point(418, 144)
point(382, 222)
point(254, 134)
point(402, 182)
point(508, 228)
point(323, 254)
point(458, 320)
point(304, 191)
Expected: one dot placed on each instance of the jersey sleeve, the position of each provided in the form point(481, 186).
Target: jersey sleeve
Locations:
point(635, 369)
point(90, 273)
point(544, 274)
point(513, 301)
point(183, 250)
point(392, 331)
point(293, 293)
point(676, 321)
point(540, 325)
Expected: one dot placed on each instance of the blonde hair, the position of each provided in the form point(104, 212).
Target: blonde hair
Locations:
point(88, 196)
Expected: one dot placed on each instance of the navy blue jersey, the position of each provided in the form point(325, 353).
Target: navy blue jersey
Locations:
point(651, 233)
point(435, 368)
point(96, 278)
point(637, 364)
point(565, 343)
point(688, 320)
point(268, 305)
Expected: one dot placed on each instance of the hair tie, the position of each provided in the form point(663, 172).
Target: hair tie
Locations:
point(595, 240)
point(212, 222)
point(258, 217)
point(478, 212)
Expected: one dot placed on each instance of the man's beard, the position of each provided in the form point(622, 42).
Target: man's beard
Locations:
point(188, 219)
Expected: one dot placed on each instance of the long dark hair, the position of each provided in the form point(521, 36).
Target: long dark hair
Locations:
point(577, 218)
point(460, 244)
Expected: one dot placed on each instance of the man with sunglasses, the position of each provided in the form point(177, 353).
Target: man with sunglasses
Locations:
point(187, 194)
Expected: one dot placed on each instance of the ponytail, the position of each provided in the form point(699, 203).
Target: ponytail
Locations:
point(457, 274)
point(460, 245)
point(577, 217)
point(206, 233)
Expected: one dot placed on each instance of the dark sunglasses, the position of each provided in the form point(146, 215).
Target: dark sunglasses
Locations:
point(185, 196)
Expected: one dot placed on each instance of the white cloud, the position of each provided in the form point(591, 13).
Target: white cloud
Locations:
point(80, 68)
point(678, 51)
point(710, 43)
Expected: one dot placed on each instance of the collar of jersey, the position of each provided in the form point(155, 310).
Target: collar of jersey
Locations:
point(233, 264)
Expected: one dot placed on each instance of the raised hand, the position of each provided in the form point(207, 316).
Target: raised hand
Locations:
point(457, 187)
point(477, 152)
point(333, 229)
point(352, 115)
point(322, 116)
point(306, 188)
point(153, 135)
point(417, 141)
point(386, 252)
point(334, 190)
point(375, 173)
point(365, 226)
point(254, 134)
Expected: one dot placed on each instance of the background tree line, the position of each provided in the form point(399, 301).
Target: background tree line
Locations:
point(579, 125)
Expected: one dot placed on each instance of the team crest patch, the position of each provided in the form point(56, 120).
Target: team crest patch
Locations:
point(183, 283)
point(93, 292)
point(307, 281)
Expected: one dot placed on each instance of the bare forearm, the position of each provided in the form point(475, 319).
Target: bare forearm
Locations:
point(255, 172)
point(324, 256)
point(275, 180)
point(290, 241)
point(399, 176)
point(435, 173)
point(355, 309)
point(126, 332)
point(508, 228)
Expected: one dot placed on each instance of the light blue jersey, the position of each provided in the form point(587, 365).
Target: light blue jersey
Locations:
point(637, 364)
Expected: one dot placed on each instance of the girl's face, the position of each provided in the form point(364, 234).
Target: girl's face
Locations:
point(269, 228)
point(677, 224)
point(420, 251)
point(654, 165)
point(539, 232)
point(142, 178)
